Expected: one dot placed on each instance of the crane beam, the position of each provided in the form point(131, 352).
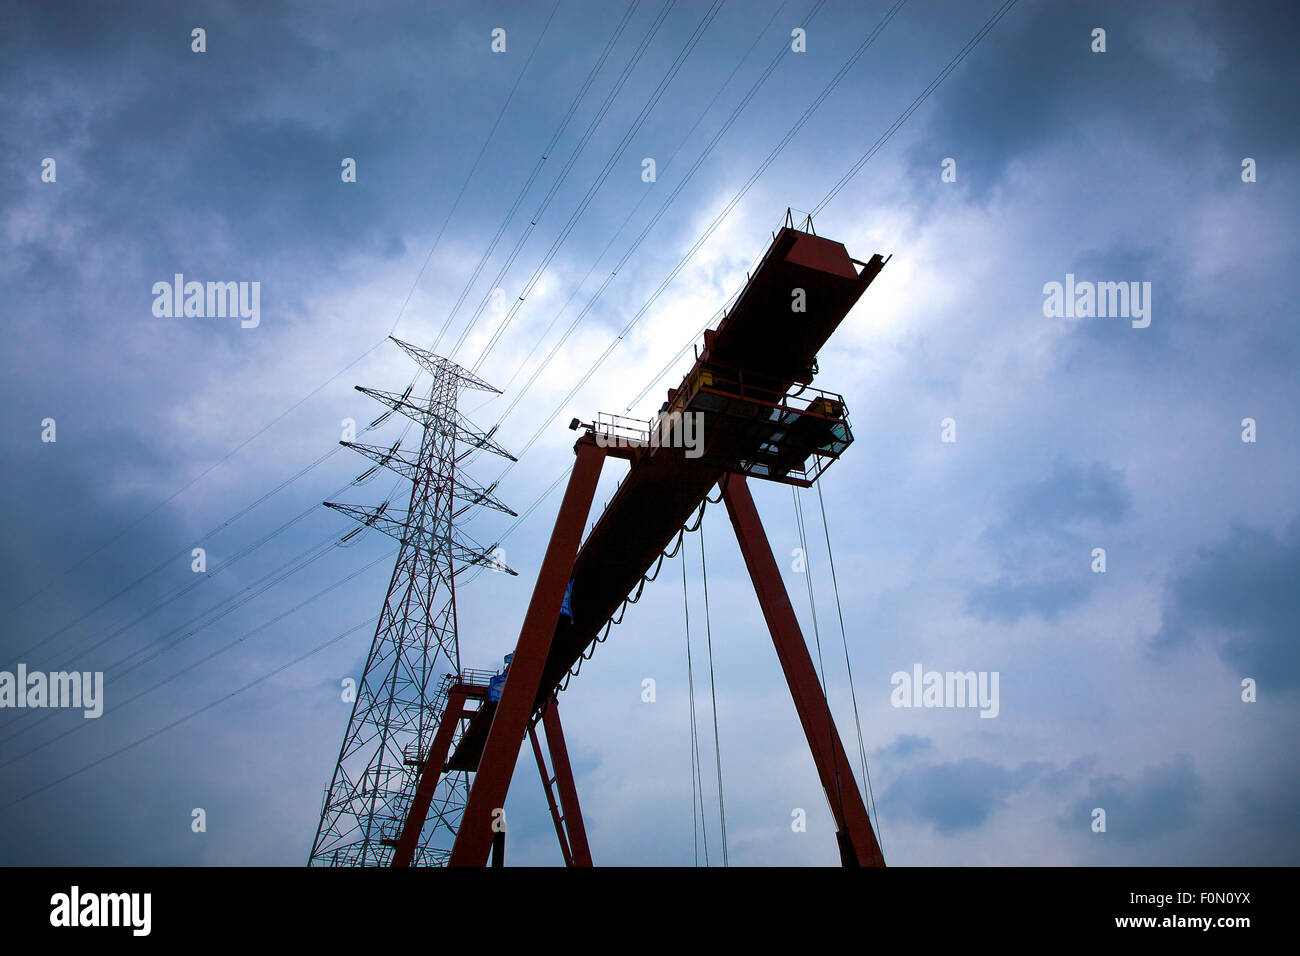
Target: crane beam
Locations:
point(741, 385)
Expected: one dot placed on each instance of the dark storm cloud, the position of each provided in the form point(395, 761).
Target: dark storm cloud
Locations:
point(1267, 806)
point(1164, 64)
point(227, 166)
point(956, 796)
point(1257, 47)
point(1070, 775)
point(1039, 544)
point(1007, 601)
point(1164, 799)
point(1240, 596)
point(238, 135)
point(906, 745)
point(1068, 495)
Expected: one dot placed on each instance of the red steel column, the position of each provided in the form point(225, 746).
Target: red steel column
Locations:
point(564, 779)
point(818, 726)
point(429, 778)
point(557, 815)
point(492, 782)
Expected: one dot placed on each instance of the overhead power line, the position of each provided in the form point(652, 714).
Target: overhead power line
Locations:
point(871, 152)
point(590, 195)
point(296, 405)
point(518, 397)
point(474, 168)
point(964, 52)
point(81, 724)
point(190, 716)
point(776, 151)
point(532, 176)
point(993, 20)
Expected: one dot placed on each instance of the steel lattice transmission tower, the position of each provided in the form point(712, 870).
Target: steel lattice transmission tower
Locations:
point(402, 692)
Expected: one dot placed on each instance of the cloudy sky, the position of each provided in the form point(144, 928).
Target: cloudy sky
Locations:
point(1120, 690)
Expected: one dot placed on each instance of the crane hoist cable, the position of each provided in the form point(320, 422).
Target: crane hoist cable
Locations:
point(713, 693)
point(587, 654)
point(697, 781)
point(857, 720)
point(821, 664)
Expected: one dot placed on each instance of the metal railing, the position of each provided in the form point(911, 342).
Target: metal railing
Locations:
point(622, 428)
point(731, 381)
point(476, 677)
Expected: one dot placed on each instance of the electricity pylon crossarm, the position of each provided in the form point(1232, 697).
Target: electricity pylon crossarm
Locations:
point(407, 465)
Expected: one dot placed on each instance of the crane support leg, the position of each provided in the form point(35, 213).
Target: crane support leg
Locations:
point(548, 785)
point(856, 837)
point(573, 824)
point(565, 812)
point(429, 778)
point(510, 723)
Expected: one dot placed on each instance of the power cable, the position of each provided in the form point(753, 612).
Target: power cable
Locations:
point(233, 451)
point(278, 576)
point(857, 54)
point(590, 195)
point(221, 650)
point(192, 714)
point(636, 208)
point(866, 157)
point(537, 168)
point(921, 98)
point(474, 168)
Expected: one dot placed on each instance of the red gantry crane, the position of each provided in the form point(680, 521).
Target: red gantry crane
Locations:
point(756, 415)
